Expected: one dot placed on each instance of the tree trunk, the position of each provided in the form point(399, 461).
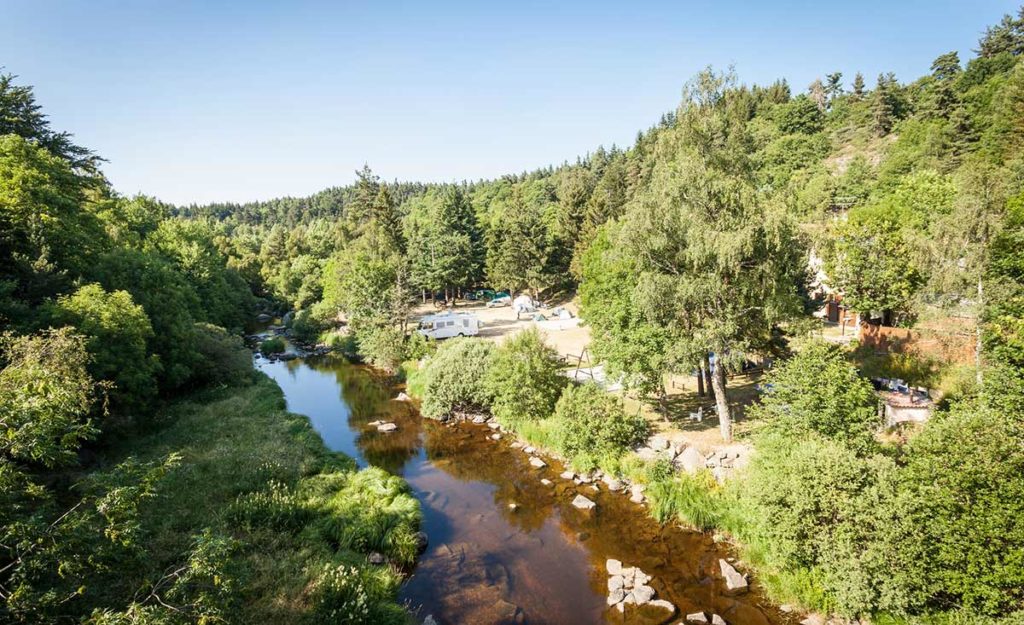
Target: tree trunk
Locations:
point(663, 401)
point(707, 373)
point(977, 333)
point(700, 381)
point(721, 402)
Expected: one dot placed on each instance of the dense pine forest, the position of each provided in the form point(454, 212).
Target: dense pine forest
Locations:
point(720, 231)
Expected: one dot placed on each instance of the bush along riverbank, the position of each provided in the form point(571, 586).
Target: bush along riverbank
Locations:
point(253, 520)
point(830, 519)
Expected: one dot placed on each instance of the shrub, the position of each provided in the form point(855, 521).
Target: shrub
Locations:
point(223, 357)
point(594, 424)
point(274, 345)
point(305, 327)
point(965, 481)
point(419, 346)
point(525, 379)
point(818, 391)
point(382, 346)
point(453, 379)
point(118, 332)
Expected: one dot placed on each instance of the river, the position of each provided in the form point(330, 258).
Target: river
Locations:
point(540, 563)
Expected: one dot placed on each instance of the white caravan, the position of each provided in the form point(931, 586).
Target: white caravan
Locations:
point(448, 324)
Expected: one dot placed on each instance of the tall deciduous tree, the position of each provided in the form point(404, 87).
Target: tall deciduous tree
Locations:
point(715, 261)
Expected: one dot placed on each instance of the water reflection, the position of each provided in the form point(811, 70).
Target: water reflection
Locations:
point(539, 562)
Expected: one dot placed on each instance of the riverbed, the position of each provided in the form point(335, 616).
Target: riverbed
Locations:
point(504, 547)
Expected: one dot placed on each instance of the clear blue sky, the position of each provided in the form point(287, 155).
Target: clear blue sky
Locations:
point(206, 100)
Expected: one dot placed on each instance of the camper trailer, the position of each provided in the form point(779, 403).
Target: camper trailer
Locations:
point(448, 324)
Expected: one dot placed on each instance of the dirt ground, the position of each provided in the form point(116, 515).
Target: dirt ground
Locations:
point(497, 324)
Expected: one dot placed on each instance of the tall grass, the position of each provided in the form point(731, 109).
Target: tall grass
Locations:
point(262, 476)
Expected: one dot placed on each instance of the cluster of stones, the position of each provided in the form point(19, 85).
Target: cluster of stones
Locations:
point(700, 618)
point(629, 586)
point(688, 458)
point(383, 426)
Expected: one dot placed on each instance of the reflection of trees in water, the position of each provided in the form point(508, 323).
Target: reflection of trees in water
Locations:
point(370, 395)
point(367, 392)
point(467, 454)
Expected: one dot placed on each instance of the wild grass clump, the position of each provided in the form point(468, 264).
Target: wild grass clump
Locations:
point(366, 511)
point(352, 596)
point(275, 508)
point(693, 499)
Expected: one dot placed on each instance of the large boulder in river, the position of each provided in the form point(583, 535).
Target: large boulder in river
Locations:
point(583, 503)
point(735, 582)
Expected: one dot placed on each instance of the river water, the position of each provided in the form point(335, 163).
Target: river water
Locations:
point(544, 561)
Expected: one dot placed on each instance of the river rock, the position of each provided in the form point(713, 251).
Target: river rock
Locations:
point(263, 317)
point(537, 462)
point(698, 618)
point(495, 436)
point(374, 424)
point(402, 397)
point(615, 583)
point(735, 583)
point(529, 449)
point(494, 425)
point(636, 493)
point(387, 427)
point(377, 558)
point(546, 482)
point(479, 419)
point(668, 606)
point(513, 506)
point(422, 540)
point(583, 503)
point(612, 483)
point(690, 460)
point(813, 619)
point(614, 567)
point(568, 475)
point(515, 445)
point(429, 620)
point(717, 620)
point(643, 594)
point(616, 596)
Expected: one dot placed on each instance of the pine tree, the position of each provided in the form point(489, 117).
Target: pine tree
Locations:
point(858, 86)
point(833, 86)
point(882, 108)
